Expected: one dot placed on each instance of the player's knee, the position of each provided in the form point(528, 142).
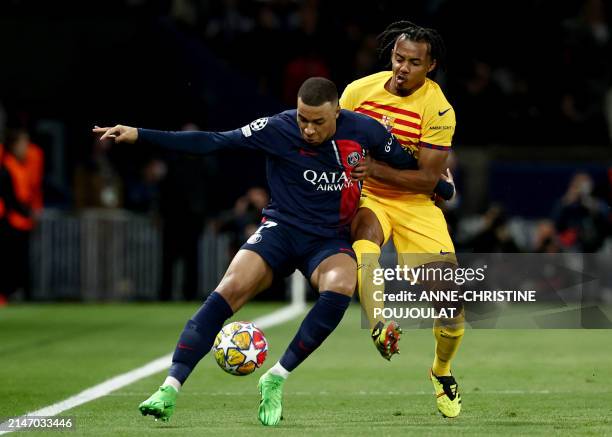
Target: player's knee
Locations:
point(365, 226)
point(343, 284)
point(360, 233)
point(234, 291)
point(367, 233)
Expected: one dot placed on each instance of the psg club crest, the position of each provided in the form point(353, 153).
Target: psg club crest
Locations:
point(353, 159)
point(387, 122)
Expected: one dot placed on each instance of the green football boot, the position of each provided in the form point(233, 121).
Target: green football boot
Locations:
point(271, 404)
point(161, 403)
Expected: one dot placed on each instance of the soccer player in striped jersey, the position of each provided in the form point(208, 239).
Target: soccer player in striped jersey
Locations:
point(413, 108)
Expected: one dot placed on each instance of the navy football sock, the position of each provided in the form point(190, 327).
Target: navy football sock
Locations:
point(199, 335)
point(316, 327)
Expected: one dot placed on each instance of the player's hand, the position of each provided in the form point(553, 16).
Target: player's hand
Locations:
point(448, 177)
point(362, 169)
point(120, 133)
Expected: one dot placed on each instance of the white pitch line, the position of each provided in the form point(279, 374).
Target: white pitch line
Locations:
point(97, 391)
point(373, 393)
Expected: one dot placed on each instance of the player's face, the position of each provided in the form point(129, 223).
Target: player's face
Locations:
point(410, 62)
point(317, 123)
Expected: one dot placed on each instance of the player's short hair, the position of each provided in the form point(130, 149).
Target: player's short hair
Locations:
point(413, 32)
point(317, 91)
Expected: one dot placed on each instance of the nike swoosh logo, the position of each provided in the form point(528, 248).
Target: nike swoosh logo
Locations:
point(441, 113)
point(302, 346)
point(444, 253)
point(308, 153)
point(183, 346)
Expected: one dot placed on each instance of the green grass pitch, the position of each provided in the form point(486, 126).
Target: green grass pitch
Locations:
point(513, 382)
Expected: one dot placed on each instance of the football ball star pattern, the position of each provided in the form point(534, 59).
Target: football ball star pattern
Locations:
point(240, 348)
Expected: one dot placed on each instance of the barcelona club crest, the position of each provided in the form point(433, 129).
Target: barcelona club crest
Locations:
point(387, 122)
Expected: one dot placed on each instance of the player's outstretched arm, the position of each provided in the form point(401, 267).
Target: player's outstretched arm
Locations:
point(198, 142)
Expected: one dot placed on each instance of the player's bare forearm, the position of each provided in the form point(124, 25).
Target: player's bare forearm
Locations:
point(424, 180)
point(417, 181)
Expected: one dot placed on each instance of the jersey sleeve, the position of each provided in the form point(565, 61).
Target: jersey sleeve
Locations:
point(265, 134)
point(261, 134)
point(347, 99)
point(383, 146)
point(438, 126)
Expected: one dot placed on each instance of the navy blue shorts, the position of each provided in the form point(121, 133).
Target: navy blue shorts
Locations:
point(286, 248)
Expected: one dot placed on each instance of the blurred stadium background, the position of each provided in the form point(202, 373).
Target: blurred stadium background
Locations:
point(531, 85)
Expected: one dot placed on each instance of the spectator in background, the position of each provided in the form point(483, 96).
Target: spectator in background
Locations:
point(21, 192)
point(264, 63)
point(96, 181)
point(495, 236)
point(308, 45)
point(545, 238)
point(3, 118)
point(35, 163)
point(479, 98)
point(244, 218)
point(580, 218)
point(3, 229)
point(307, 64)
point(241, 222)
point(355, 51)
point(187, 199)
point(588, 66)
point(143, 193)
point(2, 195)
point(228, 22)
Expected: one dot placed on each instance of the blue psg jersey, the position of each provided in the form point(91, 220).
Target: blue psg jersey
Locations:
point(310, 185)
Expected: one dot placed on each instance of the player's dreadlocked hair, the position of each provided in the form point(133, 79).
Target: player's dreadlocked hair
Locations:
point(437, 49)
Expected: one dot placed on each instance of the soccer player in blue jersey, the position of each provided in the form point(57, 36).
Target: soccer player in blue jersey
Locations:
point(314, 164)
